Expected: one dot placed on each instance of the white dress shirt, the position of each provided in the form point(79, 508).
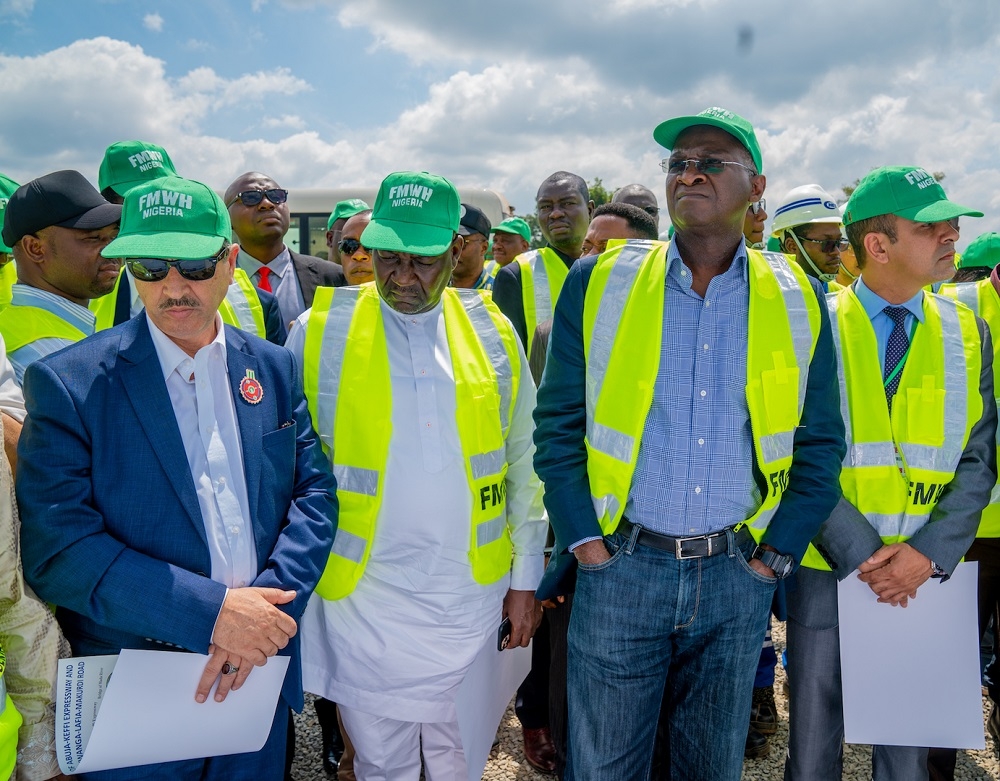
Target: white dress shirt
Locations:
point(400, 644)
point(202, 398)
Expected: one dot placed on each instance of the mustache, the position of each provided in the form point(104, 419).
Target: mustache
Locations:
point(185, 301)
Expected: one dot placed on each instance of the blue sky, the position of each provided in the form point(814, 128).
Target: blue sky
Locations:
point(324, 93)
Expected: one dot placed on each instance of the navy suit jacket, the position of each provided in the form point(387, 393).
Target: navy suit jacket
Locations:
point(112, 530)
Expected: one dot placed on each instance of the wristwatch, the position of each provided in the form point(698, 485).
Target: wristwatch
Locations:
point(781, 563)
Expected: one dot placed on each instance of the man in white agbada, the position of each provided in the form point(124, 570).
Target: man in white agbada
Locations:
point(423, 400)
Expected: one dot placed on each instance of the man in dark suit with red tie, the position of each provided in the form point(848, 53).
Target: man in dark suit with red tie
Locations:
point(258, 208)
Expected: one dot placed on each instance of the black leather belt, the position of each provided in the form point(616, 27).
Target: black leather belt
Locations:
point(685, 547)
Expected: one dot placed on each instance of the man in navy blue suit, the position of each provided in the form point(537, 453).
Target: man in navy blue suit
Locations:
point(173, 493)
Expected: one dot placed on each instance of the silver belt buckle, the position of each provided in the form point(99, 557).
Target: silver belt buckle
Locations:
point(678, 542)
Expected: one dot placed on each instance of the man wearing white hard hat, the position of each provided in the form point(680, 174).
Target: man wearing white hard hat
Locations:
point(809, 225)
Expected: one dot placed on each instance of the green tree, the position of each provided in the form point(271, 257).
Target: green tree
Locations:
point(599, 193)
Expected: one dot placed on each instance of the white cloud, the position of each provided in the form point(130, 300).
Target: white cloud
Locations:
point(153, 22)
point(291, 121)
point(16, 7)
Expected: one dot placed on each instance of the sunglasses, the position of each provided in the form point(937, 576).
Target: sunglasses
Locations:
point(253, 197)
point(828, 245)
point(708, 166)
point(156, 269)
point(758, 206)
point(350, 246)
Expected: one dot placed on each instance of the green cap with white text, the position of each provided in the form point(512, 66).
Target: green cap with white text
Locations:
point(666, 133)
point(514, 225)
point(414, 212)
point(175, 219)
point(906, 191)
point(983, 252)
point(7, 188)
point(345, 209)
point(129, 163)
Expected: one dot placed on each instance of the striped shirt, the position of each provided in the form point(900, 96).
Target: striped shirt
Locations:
point(694, 473)
point(77, 316)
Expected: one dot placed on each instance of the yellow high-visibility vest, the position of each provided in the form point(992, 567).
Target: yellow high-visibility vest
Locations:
point(21, 325)
point(981, 297)
point(542, 276)
point(240, 308)
point(346, 377)
point(10, 723)
point(622, 332)
point(896, 470)
point(8, 276)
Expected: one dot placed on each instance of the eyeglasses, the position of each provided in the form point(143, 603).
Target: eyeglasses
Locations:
point(350, 246)
point(758, 206)
point(828, 245)
point(253, 197)
point(710, 166)
point(156, 269)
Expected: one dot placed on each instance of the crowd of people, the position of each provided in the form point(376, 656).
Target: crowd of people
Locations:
point(438, 440)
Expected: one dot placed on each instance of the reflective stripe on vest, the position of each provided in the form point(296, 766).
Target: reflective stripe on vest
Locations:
point(241, 307)
point(346, 350)
point(934, 409)
point(22, 325)
point(542, 276)
point(982, 298)
point(623, 328)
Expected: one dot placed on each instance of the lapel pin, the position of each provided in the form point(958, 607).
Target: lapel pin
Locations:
point(250, 388)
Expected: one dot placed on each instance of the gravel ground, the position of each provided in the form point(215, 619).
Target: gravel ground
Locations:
point(508, 764)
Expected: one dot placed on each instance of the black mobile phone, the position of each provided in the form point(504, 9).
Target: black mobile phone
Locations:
point(503, 634)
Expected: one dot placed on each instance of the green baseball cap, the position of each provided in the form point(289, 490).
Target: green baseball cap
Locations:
point(514, 225)
point(345, 209)
point(666, 133)
point(983, 252)
point(129, 163)
point(7, 187)
point(171, 218)
point(414, 212)
point(903, 190)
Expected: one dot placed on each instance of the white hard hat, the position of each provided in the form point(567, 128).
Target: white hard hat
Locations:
point(803, 205)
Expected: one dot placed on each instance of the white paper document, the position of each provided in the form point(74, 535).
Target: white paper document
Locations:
point(138, 708)
point(911, 676)
point(482, 698)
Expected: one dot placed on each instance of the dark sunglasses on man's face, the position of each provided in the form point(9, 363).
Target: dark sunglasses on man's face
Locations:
point(156, 269)
point(349, 246)
point(254, 197)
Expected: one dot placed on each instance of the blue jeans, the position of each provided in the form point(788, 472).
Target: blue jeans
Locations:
point(646, 624)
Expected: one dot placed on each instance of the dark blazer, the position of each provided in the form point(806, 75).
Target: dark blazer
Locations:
point(112, 530)
point(314, 272)
point(273, 326)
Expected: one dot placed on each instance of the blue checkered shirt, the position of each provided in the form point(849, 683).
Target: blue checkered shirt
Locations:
point(77, 316)
point(695, 469)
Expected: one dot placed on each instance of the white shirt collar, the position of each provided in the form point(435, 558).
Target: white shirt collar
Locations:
point(171, 356)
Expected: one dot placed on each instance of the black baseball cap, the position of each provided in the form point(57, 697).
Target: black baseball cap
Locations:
point(64, 198)
point(472, 220)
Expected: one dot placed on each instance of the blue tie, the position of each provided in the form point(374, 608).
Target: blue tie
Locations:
point(895, 349)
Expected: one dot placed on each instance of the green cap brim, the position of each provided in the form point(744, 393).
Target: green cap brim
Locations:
point(666, 134)
point(508, 229)
point(417, 239)
point(122, 188)
point(171, 246)
point(939, 211)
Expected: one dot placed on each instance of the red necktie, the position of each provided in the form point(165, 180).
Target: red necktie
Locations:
point(264, 284)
